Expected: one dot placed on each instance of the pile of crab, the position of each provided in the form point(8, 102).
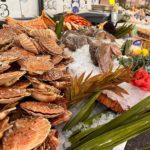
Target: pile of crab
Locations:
point(33, 74)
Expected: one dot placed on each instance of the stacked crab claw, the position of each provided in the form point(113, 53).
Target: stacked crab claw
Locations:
point(33, 74)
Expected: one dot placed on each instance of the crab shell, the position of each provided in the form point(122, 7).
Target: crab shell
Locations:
point(45, 96)
point(8, 79)
point(26, 134)
point(41, 109)
point(50, 45)
point(37, 65)
point(61, 119)
point(52, 75)
point(12, 95)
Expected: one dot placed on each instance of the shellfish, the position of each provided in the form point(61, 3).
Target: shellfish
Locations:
point(11, 95)
point(45, 96)
point(8, 79)
point(27, 43)
point(26, 134)
point(41, 109)
point(52, 75)
point(36, 64)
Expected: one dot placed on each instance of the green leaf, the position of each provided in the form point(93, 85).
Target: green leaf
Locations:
point(126, 46)
point(59, 27)
point(117, 136)
point(123, 30)
point(83, 113)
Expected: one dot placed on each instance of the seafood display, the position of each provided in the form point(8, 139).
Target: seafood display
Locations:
point(102, 46)
point(75, 22)
point(32, 68)
point(50, 70)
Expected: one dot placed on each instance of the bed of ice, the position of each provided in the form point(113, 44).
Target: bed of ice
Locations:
point(83, 63)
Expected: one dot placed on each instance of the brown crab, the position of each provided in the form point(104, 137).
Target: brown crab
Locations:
point(36, 64)
point(45, 96)
point(52, 75)
point(12, 95)
point(8, 79)
point(4, 126)
point(41, 109)
point(26, 134)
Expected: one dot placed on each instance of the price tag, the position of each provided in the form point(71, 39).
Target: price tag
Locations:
point(112, 2)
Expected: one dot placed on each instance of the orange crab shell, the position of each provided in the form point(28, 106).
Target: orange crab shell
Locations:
point(26, 134)
point(42, 109)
